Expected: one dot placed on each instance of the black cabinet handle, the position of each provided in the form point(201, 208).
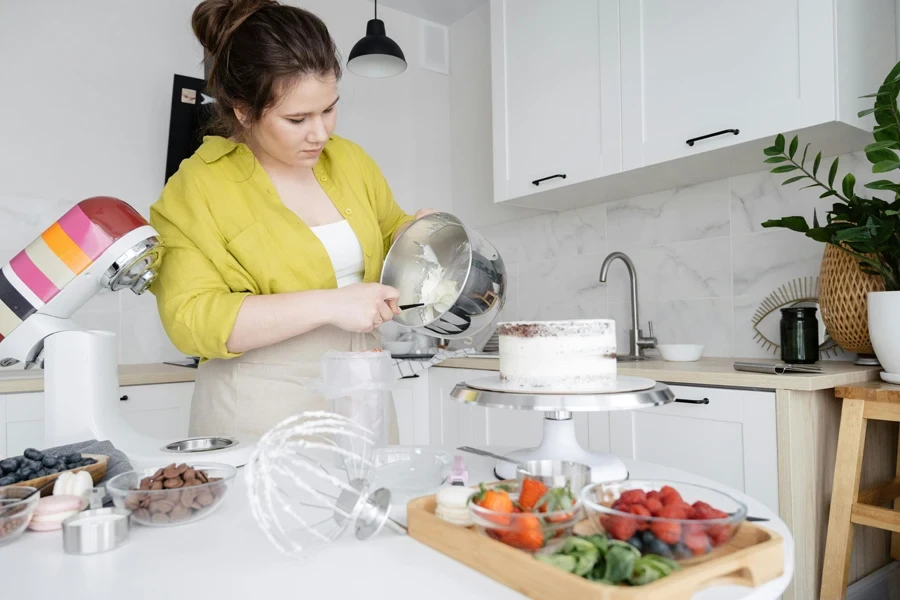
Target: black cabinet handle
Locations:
point(123, 398)
point(691, 141)
point(538, 181)
point(704, 401)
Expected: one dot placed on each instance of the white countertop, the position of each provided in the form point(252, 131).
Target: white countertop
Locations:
point(227, 556)
point(718, 372)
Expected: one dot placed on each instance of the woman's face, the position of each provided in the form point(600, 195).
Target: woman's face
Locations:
point(294, 131)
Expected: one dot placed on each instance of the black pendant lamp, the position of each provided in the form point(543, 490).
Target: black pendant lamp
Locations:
point(376, 55)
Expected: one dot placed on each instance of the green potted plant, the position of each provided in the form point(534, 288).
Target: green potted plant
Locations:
point(867, 229)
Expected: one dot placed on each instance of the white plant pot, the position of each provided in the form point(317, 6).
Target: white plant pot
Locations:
point(884, 331)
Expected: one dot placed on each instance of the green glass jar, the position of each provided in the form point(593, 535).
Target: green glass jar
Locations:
point(799, 335)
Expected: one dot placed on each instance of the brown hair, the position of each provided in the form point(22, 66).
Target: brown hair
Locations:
point(255, 46)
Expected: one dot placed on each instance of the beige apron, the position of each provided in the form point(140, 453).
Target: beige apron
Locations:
point(248, 395)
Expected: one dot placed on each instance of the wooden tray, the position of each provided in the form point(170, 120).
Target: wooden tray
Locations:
point(97, 471)
point(753, 557)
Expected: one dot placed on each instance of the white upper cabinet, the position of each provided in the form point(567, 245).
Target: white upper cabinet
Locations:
point(742, 70)
point(554, 66)
point(637, 96)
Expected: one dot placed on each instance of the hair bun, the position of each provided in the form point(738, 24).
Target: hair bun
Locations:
point(214, 21)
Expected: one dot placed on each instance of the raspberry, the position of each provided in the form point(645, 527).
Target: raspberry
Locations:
point(622, 528)
point(675, 511)
point(702, 511)
point(697, 541)
point(654, 494)
point(670, 495)
point(666, 531)
point(633, 497)
point(654, 505)
point(718, 534)
point(643, 511)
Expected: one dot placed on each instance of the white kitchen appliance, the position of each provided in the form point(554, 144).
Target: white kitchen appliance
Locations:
point(100, 244)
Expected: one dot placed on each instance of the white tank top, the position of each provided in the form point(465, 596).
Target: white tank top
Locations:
point(345, 251)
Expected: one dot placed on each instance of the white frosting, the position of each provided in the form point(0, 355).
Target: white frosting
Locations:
point(438, 293)
point(573, 358)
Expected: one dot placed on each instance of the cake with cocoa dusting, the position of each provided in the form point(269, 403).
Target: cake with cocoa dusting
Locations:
point(578, 355)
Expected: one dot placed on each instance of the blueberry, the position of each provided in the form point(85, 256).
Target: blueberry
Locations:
point(73, 458)
point(33, 454)
point(658, 547)
point(647, 537)
point(87, 462)
point(9, 465)
point(50, 461)
point(636, 542)
point(41, 473)
point(53, 471)
point(26, 474)
point(8, 480)
point(681, 551)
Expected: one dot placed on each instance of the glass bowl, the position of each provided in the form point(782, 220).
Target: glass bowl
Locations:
point(533, 532)
point(677, 520)
point(409, 472)
point(15, 511)
point(167, 507)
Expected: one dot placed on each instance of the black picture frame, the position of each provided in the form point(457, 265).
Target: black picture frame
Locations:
point(190, 115)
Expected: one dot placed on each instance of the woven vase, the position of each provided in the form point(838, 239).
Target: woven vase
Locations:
point(842, 299)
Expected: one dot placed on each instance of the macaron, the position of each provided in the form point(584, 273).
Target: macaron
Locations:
point(51, 511)
point(453, 505)
point(73, 484)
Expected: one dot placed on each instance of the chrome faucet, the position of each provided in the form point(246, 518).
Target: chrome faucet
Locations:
point(637, 340)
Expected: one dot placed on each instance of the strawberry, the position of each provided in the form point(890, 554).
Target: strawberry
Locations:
point(666, 531)
point(654, 505)
point(670, 495)
point(633, 497)
point(496, 501)
point(526, 535)
point(532, 491)
point(697, 541)
point(622, 528)
point(642, 511)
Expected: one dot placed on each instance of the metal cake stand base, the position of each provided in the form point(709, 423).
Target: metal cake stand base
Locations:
point(559, 441)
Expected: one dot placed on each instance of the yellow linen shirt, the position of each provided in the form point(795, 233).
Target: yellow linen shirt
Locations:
point(228, 235)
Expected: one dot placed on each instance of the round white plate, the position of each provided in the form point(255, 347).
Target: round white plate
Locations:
point(622, 384)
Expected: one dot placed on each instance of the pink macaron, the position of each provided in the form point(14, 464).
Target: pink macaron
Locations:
point(51, 511)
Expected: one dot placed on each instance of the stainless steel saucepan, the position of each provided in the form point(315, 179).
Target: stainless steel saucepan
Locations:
point(466, 258)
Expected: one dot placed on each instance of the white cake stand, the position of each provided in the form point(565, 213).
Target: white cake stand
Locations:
point(559, 441)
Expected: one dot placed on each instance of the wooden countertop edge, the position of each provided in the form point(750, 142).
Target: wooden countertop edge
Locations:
point(20, 382)
point(715, 375)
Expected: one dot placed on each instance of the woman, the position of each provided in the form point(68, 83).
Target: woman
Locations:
point(276, 231)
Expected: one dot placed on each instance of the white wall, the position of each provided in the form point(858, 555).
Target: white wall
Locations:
point(84, 111)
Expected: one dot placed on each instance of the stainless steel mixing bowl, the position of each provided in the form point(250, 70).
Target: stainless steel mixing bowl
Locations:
point(466, 258)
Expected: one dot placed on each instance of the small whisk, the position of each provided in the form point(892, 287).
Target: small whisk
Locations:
point(308, 482)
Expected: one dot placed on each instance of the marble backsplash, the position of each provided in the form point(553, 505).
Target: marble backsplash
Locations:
point(704, 263)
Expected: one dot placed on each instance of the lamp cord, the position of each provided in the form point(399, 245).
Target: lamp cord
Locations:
point(376, 9)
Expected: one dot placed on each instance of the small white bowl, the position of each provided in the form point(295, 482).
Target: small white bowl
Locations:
point(680, 352)
point(397, 347)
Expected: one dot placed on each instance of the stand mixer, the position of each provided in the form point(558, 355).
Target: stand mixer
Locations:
point(100, 244)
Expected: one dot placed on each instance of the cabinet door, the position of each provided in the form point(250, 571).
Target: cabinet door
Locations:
point(23, 422)
point(556, 93)
point(411, 403)
point(160, 411)
point(695, 67)
point(726, 435)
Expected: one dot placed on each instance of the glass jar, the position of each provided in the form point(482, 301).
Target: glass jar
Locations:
point(799, 335)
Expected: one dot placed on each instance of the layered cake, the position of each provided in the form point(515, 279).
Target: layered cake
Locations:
point(559, 355)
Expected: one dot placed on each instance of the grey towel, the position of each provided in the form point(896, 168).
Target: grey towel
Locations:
point(118, 462)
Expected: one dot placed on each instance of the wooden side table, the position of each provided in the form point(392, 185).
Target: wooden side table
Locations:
point(863, 402)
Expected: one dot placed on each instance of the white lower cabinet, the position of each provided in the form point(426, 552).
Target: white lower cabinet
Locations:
point(411, 404)
point(727, 435)
point(160, 410)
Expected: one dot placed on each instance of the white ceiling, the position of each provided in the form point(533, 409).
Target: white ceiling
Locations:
point(444, 12)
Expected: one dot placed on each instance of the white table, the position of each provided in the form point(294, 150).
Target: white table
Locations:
point(227, 556)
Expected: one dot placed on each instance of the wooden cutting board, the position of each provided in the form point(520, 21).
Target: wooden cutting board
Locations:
point(753, 557)
point(97, 471)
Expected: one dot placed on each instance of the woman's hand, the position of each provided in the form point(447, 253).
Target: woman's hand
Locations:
point(361, 307)
point(422, 212)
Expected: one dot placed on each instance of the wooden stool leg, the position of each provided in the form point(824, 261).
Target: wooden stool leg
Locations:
point(845, 491)
point(895, 537)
